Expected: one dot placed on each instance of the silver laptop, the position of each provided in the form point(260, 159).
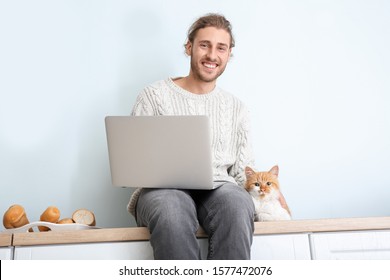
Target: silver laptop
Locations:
point(160, 151)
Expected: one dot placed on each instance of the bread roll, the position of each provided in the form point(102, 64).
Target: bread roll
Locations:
point(51, 215)
point(84, 216)
point(65, 221)
point(15, 217)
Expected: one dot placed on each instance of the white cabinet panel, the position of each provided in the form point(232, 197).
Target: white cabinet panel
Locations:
point(272, 247)
point(368, 245)
point(134, 250)
point(300, 246)
point(89, 251)
point(281, 247)
point(6, 253)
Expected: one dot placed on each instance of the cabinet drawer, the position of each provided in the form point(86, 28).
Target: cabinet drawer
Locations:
point(87, 251)
point(134, 250)
point(281, 247)
point(369, 245)
point(5, 253)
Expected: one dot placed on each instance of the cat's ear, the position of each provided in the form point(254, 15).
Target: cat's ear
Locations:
point(275, 170)
point(249, 171)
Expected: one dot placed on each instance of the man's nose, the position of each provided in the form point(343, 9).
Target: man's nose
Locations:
point(212, 54)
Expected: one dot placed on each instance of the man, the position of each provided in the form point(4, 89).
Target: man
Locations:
point(227, 212)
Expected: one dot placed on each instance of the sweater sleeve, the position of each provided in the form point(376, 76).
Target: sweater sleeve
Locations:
point(244, 155)
point(144, 104)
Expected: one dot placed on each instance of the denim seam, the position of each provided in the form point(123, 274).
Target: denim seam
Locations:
point(211, 235)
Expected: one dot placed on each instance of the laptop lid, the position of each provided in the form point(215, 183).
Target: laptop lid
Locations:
point(160, 151)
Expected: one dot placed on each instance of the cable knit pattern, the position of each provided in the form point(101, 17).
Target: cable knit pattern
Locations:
point(229, 120)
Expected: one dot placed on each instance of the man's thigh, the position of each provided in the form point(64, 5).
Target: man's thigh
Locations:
point(164, 203)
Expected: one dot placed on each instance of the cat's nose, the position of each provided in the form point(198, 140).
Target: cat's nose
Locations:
point(261, 190)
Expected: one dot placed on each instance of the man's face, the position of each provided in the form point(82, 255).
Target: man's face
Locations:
point(209, 53)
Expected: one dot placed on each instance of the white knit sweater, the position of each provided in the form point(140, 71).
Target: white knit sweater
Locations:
point(229, 121)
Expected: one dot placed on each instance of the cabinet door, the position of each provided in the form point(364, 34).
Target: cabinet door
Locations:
point(281, 247)
point(365, 245)
point(91, 251)
point(134, 250)
point(5, 253)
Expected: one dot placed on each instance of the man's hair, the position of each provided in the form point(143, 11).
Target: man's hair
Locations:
point(211, 20)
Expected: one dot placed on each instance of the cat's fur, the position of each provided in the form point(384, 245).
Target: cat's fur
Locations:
point(265, 192)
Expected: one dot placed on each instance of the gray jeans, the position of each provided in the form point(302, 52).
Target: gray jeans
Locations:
point(173, 217)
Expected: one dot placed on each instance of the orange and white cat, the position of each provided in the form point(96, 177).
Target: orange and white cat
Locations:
point(269, 202)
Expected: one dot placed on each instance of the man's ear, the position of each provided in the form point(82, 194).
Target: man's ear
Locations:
point(188, 48)
point(230, 54)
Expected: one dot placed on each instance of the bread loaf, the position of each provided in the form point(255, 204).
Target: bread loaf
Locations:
point(84, 216)
point(65, 221)
point(51, 215)
point(15, 217)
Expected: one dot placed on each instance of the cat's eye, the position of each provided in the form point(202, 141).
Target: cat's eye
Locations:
point(268, 183)
point(257, 184)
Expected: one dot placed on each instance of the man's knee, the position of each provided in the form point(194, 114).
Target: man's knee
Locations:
point(235, 198)
point(168, 207)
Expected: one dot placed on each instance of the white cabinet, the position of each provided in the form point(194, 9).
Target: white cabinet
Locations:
point(364, 245)
point(131, 250)
point(5, 253)
point(86, 251)
point(281, 247)
point(349, 239)
point(267, 247)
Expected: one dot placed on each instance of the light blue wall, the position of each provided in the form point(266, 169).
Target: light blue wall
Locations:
point(315, 75)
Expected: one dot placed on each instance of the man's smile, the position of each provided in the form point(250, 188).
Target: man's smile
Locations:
point(210, 65)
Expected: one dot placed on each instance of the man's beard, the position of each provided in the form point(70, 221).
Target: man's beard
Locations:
point(203, 77)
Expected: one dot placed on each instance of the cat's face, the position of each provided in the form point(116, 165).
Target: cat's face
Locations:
point(262, 183)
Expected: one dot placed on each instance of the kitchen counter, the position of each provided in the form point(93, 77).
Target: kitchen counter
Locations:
point(5, 240)
point(142, 234)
